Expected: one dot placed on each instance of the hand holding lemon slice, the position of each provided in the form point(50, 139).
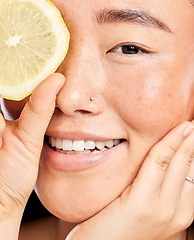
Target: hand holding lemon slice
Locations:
point(33, 42)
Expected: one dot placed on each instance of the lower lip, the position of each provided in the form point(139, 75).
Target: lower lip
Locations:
point(75, 162)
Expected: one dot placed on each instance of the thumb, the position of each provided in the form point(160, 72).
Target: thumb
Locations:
point(37, 113)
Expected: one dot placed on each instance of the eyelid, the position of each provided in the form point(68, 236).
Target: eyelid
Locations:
point(141, 47)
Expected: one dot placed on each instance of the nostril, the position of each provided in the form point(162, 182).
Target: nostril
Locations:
point(82, 111)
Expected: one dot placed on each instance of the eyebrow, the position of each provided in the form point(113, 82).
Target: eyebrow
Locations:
point(132, 16)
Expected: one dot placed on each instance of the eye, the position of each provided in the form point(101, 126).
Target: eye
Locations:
point(128, 49)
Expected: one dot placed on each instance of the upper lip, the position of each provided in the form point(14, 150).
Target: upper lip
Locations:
point(78, 135)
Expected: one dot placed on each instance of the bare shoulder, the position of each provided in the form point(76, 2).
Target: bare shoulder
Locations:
point(42, 229)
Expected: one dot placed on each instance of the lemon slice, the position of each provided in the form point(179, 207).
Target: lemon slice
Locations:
point(33, 42)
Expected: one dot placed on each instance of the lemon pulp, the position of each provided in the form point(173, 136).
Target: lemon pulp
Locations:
point(33, 42)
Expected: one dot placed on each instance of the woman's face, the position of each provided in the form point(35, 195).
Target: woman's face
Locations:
point(135, 58)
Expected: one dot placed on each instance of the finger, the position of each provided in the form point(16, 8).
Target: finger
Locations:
point(188, 190)
point(179, 169)
point(37, 113)
point(2, 128)
point(185, 205)
point(154, 168)
point(2, 125)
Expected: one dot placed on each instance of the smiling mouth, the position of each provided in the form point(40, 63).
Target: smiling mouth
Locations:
point(66, 146)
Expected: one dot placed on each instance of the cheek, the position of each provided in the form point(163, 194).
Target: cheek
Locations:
point(148, 101)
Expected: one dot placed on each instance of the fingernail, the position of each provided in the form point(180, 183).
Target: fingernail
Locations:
point(188, 130)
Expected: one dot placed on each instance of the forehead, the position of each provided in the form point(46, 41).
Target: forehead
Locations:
point(177, 15)
point(162, 7)
point(172, 12)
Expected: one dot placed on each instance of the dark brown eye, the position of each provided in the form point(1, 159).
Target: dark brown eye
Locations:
point(127, 49)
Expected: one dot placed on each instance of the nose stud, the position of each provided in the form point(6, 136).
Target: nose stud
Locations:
point(91, 99)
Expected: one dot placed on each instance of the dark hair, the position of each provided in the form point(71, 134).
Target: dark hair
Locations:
point(192, 2)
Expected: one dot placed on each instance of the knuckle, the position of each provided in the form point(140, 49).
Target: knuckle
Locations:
point(42, 113)
point(168, 148)
point(21, 132)
point(184, 221)
point(24, 137)
point(144, 213)
point(163, 162)
point(167, 216)
point(189, 156)
point(162, 154)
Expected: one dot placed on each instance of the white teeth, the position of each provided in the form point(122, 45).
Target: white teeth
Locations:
point(81, 147)
point(58, 143)
point(67, 145)
point(90, 145)
point(70, 152)
point(100, 145)
point(53, 142)
point(109, 143)
point(78, 145)
point(103, 149)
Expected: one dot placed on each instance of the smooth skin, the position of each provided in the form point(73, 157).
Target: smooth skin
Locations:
point(142, 93)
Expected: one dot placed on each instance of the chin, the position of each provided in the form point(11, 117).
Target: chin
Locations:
point(74, 202)
point(76, 197)
point(74, 208)
point(74, 215)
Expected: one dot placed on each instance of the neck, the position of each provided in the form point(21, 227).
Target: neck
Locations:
point(63, 229)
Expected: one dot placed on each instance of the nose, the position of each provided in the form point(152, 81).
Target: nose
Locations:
point(82, 92)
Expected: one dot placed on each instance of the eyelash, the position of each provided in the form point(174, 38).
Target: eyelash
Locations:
point(131, 49)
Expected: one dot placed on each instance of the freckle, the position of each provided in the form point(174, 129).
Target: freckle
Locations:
point(107, 179)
